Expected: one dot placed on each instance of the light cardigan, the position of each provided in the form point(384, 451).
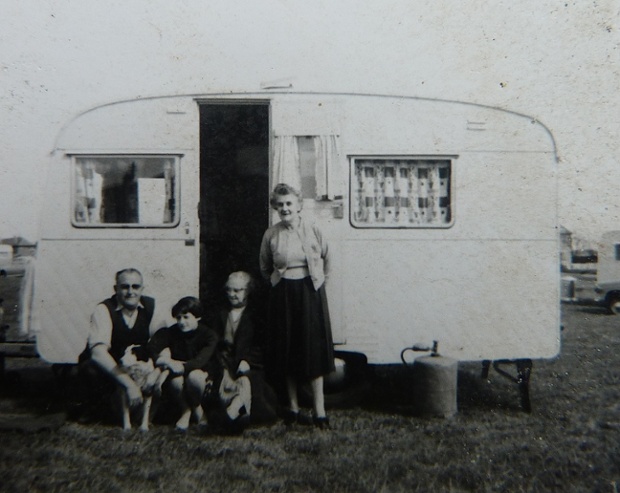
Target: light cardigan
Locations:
point(274, 249)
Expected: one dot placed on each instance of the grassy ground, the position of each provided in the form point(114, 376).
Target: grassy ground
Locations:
point(570, 441)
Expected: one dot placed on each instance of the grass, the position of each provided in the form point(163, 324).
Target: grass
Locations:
point(569, 443)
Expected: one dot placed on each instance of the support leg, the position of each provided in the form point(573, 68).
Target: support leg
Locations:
point(486, 365)
point(524, 370)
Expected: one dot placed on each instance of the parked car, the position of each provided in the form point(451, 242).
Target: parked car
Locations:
point(609, 296)
point(608, 272)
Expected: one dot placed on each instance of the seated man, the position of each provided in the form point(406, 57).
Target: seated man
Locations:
point(241, 387)
point(125, 319)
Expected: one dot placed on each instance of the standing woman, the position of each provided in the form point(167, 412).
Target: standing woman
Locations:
point(294, 258)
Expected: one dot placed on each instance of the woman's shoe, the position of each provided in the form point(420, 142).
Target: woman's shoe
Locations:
point(321, 423)
point(290, 418)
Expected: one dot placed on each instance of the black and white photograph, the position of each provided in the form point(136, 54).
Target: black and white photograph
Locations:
point(294, 246)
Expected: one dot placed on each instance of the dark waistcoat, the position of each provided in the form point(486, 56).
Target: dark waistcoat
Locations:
point(123, 336)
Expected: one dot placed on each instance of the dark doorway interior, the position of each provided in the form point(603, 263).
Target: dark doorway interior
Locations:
point(234, 192)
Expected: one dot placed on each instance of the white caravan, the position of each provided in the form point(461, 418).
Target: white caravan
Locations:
point(440, 215)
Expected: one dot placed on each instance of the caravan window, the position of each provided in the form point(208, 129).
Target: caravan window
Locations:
point(401, 192)
point(127, 191)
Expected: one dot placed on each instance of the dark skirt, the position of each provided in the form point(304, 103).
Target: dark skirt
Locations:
point(301, 339)
point(264, 399)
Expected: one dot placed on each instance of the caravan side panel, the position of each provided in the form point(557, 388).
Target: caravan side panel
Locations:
point(486, 284)
point(77, 260)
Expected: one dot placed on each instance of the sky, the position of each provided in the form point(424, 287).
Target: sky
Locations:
point(557, 61)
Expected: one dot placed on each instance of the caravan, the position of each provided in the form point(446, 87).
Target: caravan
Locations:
point(441, 215)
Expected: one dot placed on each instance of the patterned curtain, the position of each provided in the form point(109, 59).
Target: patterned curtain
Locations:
point(401, 192)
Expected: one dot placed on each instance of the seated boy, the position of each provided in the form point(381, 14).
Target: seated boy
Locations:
point(186, 349)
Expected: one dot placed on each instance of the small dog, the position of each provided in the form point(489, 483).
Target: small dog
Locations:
point(150, 380)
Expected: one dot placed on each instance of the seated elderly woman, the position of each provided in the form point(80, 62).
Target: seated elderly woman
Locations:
point(241, 388)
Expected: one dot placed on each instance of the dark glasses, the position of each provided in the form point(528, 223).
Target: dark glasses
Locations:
point(132, 286)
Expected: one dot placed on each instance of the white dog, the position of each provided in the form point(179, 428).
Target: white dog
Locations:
point(148, 378)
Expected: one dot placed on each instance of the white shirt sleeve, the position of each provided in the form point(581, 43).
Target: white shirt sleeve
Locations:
point(100, 327)
point(161, 318)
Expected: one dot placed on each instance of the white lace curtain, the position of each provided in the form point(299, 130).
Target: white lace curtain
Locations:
point(401, 192)
point(327, 166)
point(286, 162)
point(88, 193)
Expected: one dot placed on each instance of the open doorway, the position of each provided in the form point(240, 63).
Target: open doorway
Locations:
point(234, 191)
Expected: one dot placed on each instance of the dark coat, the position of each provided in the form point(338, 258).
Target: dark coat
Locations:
point(245, 345)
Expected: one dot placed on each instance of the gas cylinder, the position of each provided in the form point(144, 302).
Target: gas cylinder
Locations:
point(435, 386)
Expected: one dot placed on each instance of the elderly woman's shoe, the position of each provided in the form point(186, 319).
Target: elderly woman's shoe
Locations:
point(292, 417)
point(322, 423)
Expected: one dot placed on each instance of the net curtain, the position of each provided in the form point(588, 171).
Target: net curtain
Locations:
point(88, 192)
point(327, 170)
point(287, 164)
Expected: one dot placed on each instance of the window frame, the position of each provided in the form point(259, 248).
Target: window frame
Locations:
point(176, 159)
point(353, 159)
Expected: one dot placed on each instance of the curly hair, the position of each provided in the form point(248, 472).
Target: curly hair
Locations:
point(284, 189)
point(250, 283)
